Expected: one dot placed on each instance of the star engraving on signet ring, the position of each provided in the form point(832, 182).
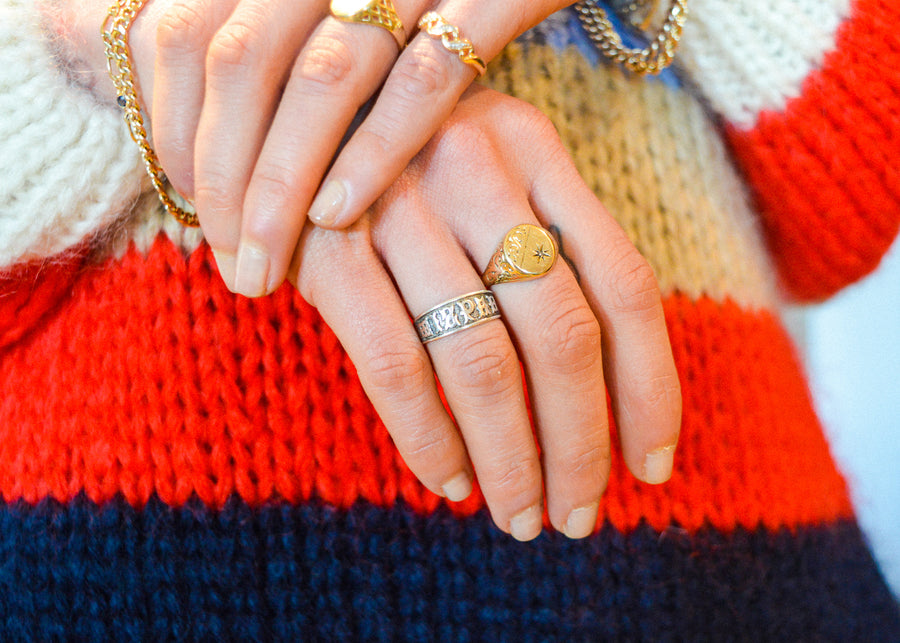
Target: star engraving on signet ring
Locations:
point(527, 252)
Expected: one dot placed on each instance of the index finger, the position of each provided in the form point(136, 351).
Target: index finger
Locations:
point(420, 93)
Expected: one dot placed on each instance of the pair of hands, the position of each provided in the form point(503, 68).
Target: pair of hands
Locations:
point(250, 99)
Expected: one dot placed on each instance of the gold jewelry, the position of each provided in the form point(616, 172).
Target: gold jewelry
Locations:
point(527, 252)
point(457, 314)
point(637, 13)
point(114, 31)
point(653, 58)
point(434, 25)
point(380, 13)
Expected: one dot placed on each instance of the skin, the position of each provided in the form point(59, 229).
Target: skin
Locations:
point(233, 78)
point(498, 155)
point(492, 162)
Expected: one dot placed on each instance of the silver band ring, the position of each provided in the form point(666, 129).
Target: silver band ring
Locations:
point(457, 314)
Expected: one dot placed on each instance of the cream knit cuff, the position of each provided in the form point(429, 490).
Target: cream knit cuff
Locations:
point(68, 168)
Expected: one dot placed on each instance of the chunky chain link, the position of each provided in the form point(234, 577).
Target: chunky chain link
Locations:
point(115, 29)
point(650, 60)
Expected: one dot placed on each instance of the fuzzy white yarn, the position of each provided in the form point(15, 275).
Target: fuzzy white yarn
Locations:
point(748, 56)
point(68, 167)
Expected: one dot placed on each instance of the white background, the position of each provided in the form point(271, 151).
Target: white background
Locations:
point(851, 346)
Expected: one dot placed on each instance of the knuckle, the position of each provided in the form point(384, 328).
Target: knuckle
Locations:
point(235, 48)
point(381, 139)
point(417, 78)
point(487, 366)
point(515, 476)
point(572, 334)
point(461, 140)
point(663, 393)
point(214, 187)
point(632, 284)
point(535, 122)
point(326, 254)
point(591, 462)
point(326, 63)
point(397, 367)
point(184, 28)
point(426, 447)
point(279, 189)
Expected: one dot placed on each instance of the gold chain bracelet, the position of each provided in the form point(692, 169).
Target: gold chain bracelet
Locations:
point(119, 19)
point(651, 59)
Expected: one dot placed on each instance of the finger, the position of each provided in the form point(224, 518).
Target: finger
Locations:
point(247, 65)
point(374, 328)
point(338, 70)
point(479, 371)
point(182, 37)
point(622, 290)
point(559, 341)
point(419, 95)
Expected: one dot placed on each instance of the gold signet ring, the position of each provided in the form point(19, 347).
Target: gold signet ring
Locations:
point(527, 252)
point(380, 13)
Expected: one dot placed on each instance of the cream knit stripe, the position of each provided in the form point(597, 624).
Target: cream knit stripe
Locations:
point(753, 55)
point(657, 163)
point(68, 167)
point(148, 218)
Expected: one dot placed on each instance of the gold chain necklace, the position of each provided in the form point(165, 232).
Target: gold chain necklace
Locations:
point(650, 60)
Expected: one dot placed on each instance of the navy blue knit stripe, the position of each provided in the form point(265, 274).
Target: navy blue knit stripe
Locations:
point(83, 572)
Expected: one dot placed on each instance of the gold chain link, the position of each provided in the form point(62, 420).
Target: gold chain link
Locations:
point(118, 59)
point(650, 60)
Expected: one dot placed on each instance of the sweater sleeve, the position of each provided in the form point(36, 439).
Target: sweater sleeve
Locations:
point(809, 92)
point(68, 167)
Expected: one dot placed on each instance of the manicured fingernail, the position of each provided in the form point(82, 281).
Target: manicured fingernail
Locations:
point(527, 525)
point(328, 204)
point(581, 521)
point(658, 465)
point(251, 272)
point(458, 487)
point(225, 262)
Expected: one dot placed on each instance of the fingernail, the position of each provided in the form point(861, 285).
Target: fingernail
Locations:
point(581, 521)
point(527, 525)
point(225, 262)
point(458, 487)
point(251, 272)
point(328, 204)
point(658, 465)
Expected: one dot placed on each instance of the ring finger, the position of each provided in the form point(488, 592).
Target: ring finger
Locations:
point(478, 369)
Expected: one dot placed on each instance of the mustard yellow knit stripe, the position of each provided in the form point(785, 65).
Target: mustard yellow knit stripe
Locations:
point(657, 162)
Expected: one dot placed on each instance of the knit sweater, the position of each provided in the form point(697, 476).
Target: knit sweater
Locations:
point(180, 462)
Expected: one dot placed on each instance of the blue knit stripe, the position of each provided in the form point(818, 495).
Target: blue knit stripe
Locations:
point(83, 572)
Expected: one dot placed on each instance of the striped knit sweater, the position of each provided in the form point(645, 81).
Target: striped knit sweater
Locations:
point(180, 462)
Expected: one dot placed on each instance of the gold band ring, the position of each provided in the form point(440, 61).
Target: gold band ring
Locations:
point(380, 13)
point(526, 252)
point(457, 314)
point(434, 25)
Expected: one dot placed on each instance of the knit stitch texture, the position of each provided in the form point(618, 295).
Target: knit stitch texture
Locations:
point(177, 462)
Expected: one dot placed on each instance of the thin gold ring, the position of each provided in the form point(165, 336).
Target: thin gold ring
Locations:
point(380, 13)
point(434, 25)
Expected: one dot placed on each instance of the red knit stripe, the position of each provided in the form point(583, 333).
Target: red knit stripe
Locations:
point(151, 377)
point(824, 172)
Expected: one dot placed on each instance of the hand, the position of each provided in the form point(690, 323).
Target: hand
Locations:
point(251, 99)
point(496, 163)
